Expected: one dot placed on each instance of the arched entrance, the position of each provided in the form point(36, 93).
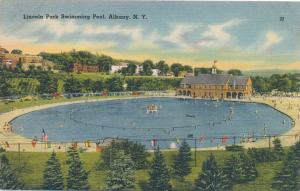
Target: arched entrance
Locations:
point(228, 95)
point(234, 94)
point(184, 92)
point(189, 93)
point(179, 92)
point(240, 95)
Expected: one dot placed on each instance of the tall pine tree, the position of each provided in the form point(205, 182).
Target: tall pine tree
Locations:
point(159, 174)
point(77, 176)
point(288, 178)
point(231, 171)
point(278, 152)
point(249, 172)
point(120, 176)
point(182, 160)
point(53, 178)
point(8, 178)
point(212, 177)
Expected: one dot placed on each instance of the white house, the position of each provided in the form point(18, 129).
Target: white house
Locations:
point(139, 68)
point(118, 67)
point(155, 72)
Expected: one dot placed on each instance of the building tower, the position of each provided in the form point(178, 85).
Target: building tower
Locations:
point(214, 68)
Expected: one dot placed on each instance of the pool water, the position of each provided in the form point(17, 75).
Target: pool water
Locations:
point(210, 123)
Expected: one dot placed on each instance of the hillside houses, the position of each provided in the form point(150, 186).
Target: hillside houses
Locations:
point(11, 60)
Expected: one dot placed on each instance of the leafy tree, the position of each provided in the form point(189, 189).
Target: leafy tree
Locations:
point(19, 67)
point(115, 84)
point(48, 83)
point(182, 160)
point(72, 85)
point(98, 86)
point(188, 68)
point(201, 71)
point(212, 177)
point(176, 68)
point(5, 87)
point(163, 67)
point(105, 63)
point(16, 51)
point(53, 178)
point(235, 72)
point(131, 69)
point(63, 61)
point(261, 84)
point(77, 176)
point(159, 174)
point(8, 178)
point(147, 68)
point(120, 176)
point(278, 152)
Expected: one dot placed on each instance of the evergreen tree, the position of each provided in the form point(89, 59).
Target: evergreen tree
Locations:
point(53, 178)
point(77, 176)
point(249, 171)
point(159, 174)
point(120, 176)
point(288, 178)
point(136, 151)
point(212, 177)
point(8, 178)
point(72, 155)
point(278, 151)
point(181, 165)
point(231, 171)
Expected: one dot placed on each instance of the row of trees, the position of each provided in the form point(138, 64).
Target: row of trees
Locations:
point(37, 81)
point(284, 82)
point(237, 169)
point(121, 160)
point(161, 65)
point(65, 61)
point(288, 178)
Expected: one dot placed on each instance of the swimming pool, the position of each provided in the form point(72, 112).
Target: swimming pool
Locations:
point(208, 122)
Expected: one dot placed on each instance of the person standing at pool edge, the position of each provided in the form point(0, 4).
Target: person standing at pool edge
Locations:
point(45, 138)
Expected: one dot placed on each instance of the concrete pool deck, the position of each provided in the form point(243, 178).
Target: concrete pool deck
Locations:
point(289, 106)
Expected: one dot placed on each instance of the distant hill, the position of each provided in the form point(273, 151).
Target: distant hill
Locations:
point(268, 72)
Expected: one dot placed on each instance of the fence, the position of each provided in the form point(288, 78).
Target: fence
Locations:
point(219, 142)
point(96, 94)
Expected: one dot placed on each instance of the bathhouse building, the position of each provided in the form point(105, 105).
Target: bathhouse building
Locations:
point(216, 86)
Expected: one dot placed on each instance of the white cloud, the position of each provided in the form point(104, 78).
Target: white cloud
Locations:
point(57, 27)
point(271, 38)
point(216, 34)
point(134, 32)
point(178, 34)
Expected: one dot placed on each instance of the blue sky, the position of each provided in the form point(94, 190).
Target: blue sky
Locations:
point(245, 35)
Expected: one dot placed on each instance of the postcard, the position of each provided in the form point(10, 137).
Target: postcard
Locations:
point(150, 95)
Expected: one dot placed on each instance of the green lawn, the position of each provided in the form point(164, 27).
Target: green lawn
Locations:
point(31, 168)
